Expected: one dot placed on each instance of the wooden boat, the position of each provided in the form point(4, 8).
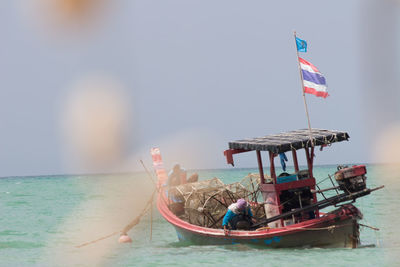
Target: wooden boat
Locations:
point(300, 224)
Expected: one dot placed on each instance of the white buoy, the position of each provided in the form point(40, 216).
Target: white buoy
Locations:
point(124, 238)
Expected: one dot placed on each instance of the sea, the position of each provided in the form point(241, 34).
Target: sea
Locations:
point(74, 220)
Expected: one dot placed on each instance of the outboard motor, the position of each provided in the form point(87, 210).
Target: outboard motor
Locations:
point(351, 179)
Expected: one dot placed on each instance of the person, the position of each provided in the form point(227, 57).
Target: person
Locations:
point(176, 176)
point(193, 178)
point(238, 216)
point(283, 158)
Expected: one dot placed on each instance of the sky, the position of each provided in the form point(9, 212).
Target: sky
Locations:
point(187, 76)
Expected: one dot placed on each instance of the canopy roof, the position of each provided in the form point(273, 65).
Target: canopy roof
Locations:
point(279, 143)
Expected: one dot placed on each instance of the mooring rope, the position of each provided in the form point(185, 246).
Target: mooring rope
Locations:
point(370, 227)
point(97, 240)
point(127, 227)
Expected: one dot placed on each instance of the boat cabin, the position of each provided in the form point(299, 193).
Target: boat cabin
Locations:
point(287, 191)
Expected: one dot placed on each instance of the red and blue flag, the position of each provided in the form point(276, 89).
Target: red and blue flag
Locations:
point(314, 82)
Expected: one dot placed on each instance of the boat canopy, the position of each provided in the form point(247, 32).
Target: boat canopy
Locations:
point(293, 140)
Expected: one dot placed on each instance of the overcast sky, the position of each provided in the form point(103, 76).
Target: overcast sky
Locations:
point(194, 74)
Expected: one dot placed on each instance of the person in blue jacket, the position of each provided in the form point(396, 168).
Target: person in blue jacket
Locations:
point(239, 215)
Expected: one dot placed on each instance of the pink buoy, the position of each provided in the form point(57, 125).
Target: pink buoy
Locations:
point(124, 238)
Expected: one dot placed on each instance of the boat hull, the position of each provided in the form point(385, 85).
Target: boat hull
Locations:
point(335, 229)
point(343, 235)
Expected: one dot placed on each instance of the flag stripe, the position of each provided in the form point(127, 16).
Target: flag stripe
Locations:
point(312, 91)
point(318, 87)
point(313, 77)
point(315, 89)
point(308, 68)
point(307, 65)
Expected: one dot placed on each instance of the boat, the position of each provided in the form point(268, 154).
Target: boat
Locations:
point(292, 215)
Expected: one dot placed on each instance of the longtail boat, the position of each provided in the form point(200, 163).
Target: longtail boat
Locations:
point(292, 216)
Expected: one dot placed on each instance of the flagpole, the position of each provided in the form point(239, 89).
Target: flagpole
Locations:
point(304, 94)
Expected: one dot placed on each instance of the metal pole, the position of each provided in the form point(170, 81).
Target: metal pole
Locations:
point(304, 94)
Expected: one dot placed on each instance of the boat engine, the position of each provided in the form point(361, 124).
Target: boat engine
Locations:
point(351, 179)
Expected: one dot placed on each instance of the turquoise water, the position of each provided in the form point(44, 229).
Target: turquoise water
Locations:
point(44, 218)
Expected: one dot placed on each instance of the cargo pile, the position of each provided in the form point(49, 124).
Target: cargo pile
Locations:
point(205, 203)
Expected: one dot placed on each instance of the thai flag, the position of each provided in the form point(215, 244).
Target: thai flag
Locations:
point(314, 82)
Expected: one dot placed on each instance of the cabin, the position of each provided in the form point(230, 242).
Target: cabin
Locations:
point(287, 191)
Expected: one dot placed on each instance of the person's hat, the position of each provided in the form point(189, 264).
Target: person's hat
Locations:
point(241, 204)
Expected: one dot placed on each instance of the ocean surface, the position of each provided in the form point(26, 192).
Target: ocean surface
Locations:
point(44, 218)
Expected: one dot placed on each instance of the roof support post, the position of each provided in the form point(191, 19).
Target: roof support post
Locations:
point(312, 156)
point(309, 162)
point(272, 166)
point(260, 167)
point(295, 162)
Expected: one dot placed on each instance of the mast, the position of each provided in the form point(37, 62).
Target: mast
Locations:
point(304, 94)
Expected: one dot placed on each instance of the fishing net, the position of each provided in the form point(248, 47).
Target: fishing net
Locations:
point(206, 202)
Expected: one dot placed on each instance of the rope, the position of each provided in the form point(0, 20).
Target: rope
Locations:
point(323, 180)
point(371, 227)
point(329, 228)
point(127, 227)
point(97, 240)
point(137, 219)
